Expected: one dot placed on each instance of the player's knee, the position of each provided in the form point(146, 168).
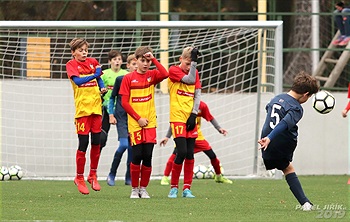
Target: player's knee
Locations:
point(103, 138)
point(83, 142)
point(210, 153)
point(96, 138)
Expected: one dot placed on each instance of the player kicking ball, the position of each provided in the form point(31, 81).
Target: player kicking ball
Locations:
point(201, 145)
point(280, 131)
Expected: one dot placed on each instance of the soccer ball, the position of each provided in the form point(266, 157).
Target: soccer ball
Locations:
point(199, 171)
point(323, 102)
point(210, 172)
point(4, 173)
point(16, 172)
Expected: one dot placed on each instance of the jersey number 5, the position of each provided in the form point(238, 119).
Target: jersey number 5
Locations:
point(275, 115)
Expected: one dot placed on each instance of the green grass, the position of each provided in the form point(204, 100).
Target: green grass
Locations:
point(245, 200)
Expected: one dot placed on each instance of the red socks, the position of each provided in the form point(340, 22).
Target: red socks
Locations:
point(136, 171)
point(188, 173)
point(145, 175)
point(175, 175)
point(135, 174)
point(80, 162)
point(216, 165)
point(94, 157)
point(169, 165)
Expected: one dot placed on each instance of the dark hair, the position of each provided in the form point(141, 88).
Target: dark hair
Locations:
point(140, 51)
point(340, 4)
point(114, 53)
point(304, 83)
point(77, 43)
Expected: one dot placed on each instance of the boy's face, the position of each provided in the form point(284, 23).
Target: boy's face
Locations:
point(185, 64)
point(81, 53)
point(116, 62)
point(143, 65)
point(132, 65)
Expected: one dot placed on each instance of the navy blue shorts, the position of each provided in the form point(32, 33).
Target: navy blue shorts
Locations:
point(279, 164)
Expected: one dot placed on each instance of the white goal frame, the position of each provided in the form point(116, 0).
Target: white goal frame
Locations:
point(266, 88)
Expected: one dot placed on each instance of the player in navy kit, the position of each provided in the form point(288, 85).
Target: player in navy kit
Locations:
point(280, 131)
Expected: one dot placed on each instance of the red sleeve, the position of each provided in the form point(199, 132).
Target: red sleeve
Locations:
point(163, 73)
point(72, 69)
point(205, 111)
point(124, 91)
point(176, 74)
point(127, 107)
point(349, 91)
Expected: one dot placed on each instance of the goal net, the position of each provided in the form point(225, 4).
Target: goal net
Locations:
point(240, 69)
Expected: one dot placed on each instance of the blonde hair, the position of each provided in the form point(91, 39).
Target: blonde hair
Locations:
point(77, 43)
point(130, 58)
point(186, 52)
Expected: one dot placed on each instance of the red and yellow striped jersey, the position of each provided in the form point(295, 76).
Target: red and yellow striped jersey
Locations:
point(181, 95)
point(139, 88)
point(87, 98)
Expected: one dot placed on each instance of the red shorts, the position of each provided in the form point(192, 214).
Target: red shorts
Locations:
point(179, 130)
point(86, 124)
point(201, 145)
point(146, 135)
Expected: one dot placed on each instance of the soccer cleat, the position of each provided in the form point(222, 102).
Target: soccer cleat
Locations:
point(173, 192)
point(344, 42)
point(338, 40)
point(187, 193)
point(92, 179)
point(80, 183)
point(165, 181)
point(111, 180)
point(221, 179)
point(135, 193)
point(144, 194)
point(306, 206)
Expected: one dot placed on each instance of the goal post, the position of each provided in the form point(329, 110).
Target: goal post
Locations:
point(37, 112)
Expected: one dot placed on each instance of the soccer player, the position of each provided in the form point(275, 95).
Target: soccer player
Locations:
point(119, 117)
point(184, 90)
point(115, 59)
point(137, 92)
point(201, 145)
point(84, 74)
point(280, 131)
point(347, 108)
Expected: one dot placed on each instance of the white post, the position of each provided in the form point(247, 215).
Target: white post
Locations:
point(315, 36)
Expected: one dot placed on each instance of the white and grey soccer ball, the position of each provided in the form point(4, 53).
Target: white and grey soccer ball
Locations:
point(323, 102)
point(4, 173)
point(199, 171)
point(16, 172)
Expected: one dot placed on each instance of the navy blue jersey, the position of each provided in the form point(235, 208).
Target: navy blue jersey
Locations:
point(119, 112)
point(285, 108)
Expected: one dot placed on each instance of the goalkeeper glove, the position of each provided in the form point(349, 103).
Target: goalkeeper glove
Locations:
point(194, 54)
point(191, 122)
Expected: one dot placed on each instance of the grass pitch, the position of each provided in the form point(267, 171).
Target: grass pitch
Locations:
point(245, 200)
